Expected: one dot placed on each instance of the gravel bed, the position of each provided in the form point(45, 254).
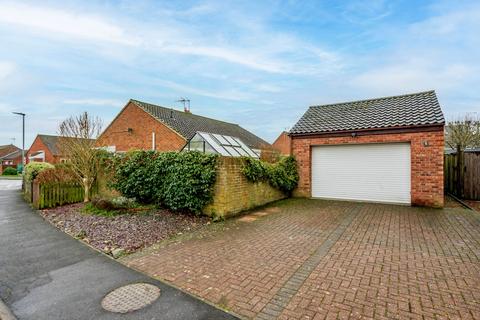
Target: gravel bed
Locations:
point(123, 233)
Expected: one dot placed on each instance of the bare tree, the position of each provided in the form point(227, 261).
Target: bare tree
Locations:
point(461, 134)
point(77, 145)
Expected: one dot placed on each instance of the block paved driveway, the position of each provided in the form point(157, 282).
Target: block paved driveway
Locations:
point(313, 259)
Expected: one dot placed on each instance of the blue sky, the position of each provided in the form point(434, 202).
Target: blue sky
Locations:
point(256, 63)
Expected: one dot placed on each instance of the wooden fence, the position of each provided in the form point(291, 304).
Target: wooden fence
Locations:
point(51, 195)
point(464, 185)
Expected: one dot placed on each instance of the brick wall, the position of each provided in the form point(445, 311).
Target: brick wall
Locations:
point(233, 193)
point(283, 144)
point(38, 145)
point(140, 137)
point(426, 161)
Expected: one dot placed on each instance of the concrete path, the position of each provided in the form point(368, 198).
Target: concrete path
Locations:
point(10, 184)
point(45, 274)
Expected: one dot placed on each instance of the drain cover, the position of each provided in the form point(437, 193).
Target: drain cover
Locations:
point(130, 297)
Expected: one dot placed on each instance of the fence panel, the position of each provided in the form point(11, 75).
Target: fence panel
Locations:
point(55, 194)
point(471, 176)
point(50, 195)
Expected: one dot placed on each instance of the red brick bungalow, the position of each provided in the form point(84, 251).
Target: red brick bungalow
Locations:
point(45, 149)
point(145, 126)
point(10, 156)
point(380, 150)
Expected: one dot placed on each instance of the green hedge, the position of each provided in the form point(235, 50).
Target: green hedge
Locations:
point(282, 175)
point(9, 171)
point(34, 168)
point(179, 181)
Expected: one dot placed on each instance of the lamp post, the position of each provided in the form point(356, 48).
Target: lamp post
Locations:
point(23, 139)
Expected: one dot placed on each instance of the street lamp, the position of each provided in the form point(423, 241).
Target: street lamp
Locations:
point(23, 138)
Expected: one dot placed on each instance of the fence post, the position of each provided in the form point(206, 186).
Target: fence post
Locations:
point(35, 194)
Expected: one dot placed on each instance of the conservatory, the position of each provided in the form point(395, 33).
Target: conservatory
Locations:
point(227, 146)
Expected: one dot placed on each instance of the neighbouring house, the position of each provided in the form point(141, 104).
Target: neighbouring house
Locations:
point(381, 150)
point(146, 126)
point(45, 149)
point(283, 144)
point(7, 149)
point(10, 156)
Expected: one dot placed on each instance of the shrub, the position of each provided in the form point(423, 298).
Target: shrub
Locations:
point(188, 181)
point(124, 203)
point(135, 175)
point(59, 173)
point(34, 168)
point(179, 181)
point(103, 204)
point(9, 171)
point(282, 175)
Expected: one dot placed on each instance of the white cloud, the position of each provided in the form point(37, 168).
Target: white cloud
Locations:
point(235, 56)
point(268, 51)
point(266, 87)
point(95, 102)
point(450, 24)
point(61, 22)
point(225, 95)
point(6, 69)
point(441, 52)
point(412, 76)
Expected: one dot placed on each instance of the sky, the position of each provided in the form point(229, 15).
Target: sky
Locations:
point(256, 63)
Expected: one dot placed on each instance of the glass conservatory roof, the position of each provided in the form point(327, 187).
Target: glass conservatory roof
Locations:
point(216, 143)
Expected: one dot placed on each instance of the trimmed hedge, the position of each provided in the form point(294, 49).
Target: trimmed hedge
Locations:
point(178, 181)
point(282, 175)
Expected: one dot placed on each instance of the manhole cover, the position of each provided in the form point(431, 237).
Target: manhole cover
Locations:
point(130, 297)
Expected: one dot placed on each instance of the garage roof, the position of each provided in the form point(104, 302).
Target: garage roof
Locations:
point(416, 109)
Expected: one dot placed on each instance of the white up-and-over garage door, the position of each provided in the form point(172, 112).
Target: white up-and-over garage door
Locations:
point(367, 172)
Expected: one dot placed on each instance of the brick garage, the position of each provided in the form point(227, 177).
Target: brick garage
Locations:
point(415, 119)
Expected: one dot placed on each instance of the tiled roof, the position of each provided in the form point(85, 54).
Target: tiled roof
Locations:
point(13, 155)
point(416, 109)
point(187, 124)
point(7, 149)
point(52, 143)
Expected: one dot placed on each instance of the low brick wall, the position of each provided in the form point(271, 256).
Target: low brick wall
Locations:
point(233, 193)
